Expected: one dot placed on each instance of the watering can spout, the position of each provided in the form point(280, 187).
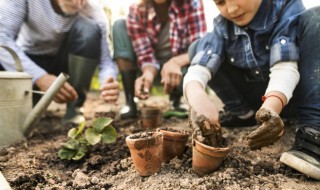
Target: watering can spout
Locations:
point(34, 116)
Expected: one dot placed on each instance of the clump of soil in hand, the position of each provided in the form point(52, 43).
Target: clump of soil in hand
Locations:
point(206, 132)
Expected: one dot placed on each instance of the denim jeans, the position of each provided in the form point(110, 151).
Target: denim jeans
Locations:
point(240, 93)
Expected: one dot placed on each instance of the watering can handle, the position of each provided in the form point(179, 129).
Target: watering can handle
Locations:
point(15, 57)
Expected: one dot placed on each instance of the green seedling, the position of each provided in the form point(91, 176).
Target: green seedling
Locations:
point(80, 139)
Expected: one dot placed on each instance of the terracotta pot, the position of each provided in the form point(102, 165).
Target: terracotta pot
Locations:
point(146, 152)
point(150, 117)
point(174, 143)
point(206, 159)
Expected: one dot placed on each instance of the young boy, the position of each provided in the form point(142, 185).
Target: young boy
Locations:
point(268, 49)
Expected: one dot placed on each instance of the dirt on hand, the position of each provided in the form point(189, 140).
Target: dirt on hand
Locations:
point(270, 130)
point(206, 132)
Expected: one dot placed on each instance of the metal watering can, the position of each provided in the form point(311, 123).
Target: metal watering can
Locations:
point(17, 117)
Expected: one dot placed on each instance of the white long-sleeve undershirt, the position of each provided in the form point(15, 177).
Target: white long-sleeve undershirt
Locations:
point(284, 77)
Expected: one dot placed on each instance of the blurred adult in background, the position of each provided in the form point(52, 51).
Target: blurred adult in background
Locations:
point(54, 36)
point(154, 39)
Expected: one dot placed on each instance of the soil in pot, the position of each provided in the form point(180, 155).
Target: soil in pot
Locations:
point(174, 143)
point(110, 114)
point(150, 117)
point(209, 147)
point(146, 152)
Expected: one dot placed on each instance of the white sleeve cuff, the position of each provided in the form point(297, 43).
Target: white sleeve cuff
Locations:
point(284, 77)
point(197, 73)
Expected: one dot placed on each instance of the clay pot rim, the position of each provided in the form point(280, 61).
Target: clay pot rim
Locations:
point(174, 135)
point(155, 135)
point(209, 150)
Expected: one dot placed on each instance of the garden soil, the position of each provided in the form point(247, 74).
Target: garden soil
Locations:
point(34, 163)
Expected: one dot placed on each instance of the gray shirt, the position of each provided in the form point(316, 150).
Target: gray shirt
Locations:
point(34, 27)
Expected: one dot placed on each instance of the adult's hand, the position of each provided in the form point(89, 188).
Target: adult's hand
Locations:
point(171, 75)
point(144, 83)
point(66, 93)
point(109, 90)
point(270, 131)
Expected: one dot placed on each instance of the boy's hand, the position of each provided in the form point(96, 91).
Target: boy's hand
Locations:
point(270, 131)
point(110, 90)
point(200, 102)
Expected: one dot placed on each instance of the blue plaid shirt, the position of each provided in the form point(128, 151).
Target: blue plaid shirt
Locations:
point(269, 38)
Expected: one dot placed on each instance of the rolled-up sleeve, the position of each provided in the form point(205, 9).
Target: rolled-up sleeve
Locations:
point(283, 41)
point(12, 16)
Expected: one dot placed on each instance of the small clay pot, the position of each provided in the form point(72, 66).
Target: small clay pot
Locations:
point(146, 152)
point(150, 117)
point(174, 143)
point(206, 159)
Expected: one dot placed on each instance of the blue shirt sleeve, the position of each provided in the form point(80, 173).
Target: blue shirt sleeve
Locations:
point(210, 50)
point(283, 41)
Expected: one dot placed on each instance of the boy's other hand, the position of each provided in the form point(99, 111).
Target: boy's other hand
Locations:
point(270, 131)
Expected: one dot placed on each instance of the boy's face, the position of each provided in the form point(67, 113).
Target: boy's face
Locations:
point(240, 12)
point(71, 7)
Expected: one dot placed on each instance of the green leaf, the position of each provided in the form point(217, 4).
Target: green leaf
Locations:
point(74, 132)
point(71, 144)
point(81, 153)
point(82, 140)
point(92, 137)
point(67, 154)
point(109, 134)
point(100, 123)
point(80, 128)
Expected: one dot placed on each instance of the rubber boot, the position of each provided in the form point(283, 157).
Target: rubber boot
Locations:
point(130, 109)
point(81, 70)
